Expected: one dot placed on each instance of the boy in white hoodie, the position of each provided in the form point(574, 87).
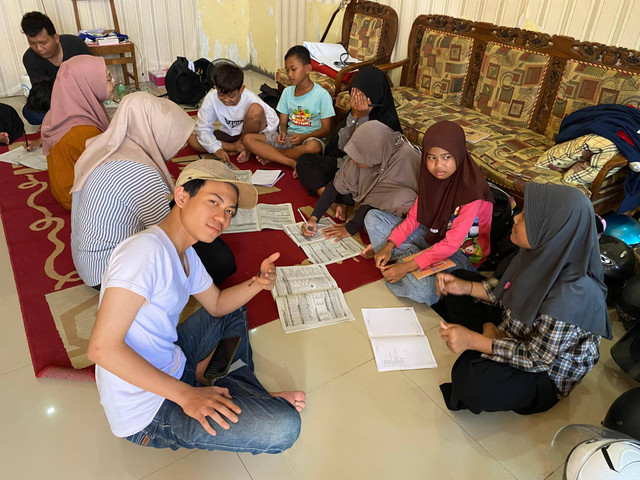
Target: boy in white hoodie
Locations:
point(238, 111)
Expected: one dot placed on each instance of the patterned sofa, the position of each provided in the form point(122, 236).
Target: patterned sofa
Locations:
point(515, 86)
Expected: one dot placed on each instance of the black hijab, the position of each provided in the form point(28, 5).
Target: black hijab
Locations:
point(561, 274)
point(11, 122)
point(374, 83)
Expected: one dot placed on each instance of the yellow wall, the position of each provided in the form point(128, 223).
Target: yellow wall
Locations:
point(262, 18)
point(241, 30)
point(318, 15)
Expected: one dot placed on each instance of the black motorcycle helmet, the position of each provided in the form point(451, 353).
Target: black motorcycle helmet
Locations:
point(624, 414)
point(618, 263)
point(626, 352)
point(628, 302)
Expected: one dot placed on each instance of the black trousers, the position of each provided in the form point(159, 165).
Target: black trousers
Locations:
point(483, 385)
point(217, 258)
point(315, 171)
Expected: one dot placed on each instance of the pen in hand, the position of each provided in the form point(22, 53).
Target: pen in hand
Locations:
point(304, 220)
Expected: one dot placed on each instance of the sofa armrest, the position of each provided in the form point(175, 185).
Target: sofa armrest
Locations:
point(392, 66)
point(348, 69)
point(617, 161)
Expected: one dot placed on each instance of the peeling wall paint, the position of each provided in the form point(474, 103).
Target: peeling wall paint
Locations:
point(225, 24)
point(241, 30)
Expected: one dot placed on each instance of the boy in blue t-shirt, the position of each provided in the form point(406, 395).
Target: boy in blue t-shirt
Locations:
point(305, 110)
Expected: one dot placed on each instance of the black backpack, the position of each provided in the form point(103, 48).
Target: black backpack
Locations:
point(185, 86)
point(501, 223)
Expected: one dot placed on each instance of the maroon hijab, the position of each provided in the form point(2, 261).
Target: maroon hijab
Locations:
point(437, 199)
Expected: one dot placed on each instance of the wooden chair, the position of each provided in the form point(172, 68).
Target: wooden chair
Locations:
point(125, 51)
point(369, 32)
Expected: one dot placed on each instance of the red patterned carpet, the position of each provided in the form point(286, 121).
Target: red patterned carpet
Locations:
point(37, 230)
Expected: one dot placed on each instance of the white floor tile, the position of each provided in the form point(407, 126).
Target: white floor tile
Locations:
point(56, 429)
point(14, 351)
point(370, 425)
point(201, 465)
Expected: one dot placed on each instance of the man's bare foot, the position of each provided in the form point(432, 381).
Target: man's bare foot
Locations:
point(295, 174)
point(4, 138)
point(263, 161)
point(367, 252)
point(294, 397)
point(341, 211)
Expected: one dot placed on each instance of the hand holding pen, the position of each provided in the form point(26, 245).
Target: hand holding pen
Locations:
point(310, 228)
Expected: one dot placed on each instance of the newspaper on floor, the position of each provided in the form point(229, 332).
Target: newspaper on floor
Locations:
point(243, 175)
point(34, 159)
point(307, 296)
point(294, 231)
point(397, 339)
point(262, 216)
point(327, 251)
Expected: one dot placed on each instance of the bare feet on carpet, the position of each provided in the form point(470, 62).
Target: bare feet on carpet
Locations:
point(341, 211)
point(367, 252)
point(4, 138)
point(294, 397)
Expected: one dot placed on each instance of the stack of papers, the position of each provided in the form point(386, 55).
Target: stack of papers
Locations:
point(32, 159)
point(474, 136)
point(294, 231)
point(266, 178)
point(398, 341)
point(308, 296)
point(329, 54)
point(263, 215)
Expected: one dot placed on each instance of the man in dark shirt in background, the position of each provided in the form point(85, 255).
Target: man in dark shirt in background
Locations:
point(47, 50)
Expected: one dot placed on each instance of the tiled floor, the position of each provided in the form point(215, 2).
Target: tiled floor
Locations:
point(358, 424)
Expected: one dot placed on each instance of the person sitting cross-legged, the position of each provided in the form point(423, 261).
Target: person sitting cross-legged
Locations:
point(150, 370)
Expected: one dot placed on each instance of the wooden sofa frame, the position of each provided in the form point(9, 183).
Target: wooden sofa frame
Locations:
point(560, 48)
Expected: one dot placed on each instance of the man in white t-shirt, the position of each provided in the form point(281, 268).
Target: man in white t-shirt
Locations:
point(238, 111)
point(149, 369)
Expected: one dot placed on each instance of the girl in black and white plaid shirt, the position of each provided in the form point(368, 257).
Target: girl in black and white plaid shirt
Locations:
point(538, 332)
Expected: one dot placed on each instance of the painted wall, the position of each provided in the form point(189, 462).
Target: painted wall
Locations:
point(224, 26)
point(241, 30)
point(262, 32)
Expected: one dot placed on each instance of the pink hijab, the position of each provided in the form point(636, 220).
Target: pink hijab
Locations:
point(145, 129)
point(78, 92)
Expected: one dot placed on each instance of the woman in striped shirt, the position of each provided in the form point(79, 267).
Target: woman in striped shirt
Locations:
point(122, 184)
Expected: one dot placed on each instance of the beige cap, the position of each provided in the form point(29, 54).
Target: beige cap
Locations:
point(219, 172)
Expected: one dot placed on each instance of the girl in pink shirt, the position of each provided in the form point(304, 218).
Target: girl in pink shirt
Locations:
point(450, 219)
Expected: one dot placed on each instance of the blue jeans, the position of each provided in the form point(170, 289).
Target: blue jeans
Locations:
point(267, 424)
point(379, 226)
point(34, 118)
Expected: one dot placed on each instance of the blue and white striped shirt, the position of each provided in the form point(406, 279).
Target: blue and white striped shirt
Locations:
point(119, 199)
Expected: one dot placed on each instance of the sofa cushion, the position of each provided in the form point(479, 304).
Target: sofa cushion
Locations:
point(364, 37)
point(509, 85)
point(585, 84)
point(443, 65)
point(590, 148)
point(324, 81)
point(507, 157)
